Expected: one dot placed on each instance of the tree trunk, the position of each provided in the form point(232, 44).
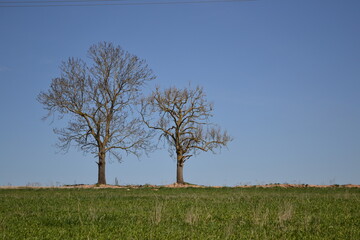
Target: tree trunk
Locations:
point(101, 172)
point(179, 174)
point(179, 169)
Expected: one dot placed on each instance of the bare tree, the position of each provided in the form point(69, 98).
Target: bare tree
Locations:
point(182, 116)
point(98, 100)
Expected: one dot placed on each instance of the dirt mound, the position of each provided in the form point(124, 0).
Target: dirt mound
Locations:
point(186, 185)
point(299, 186)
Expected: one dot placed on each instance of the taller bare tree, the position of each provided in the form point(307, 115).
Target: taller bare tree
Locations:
point(183, 118)
point(98, 101)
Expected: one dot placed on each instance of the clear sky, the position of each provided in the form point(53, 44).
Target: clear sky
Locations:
point(284, 76)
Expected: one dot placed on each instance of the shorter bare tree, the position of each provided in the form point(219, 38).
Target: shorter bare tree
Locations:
point(182, 116)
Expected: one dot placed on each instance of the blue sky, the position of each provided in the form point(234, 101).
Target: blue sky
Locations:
point(284, 76)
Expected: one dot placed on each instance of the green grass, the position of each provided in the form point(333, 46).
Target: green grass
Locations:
point(226, 213)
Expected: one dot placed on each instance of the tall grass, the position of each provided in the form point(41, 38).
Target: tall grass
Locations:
point(226, 213)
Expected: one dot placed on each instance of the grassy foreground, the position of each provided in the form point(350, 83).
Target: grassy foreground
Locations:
point(207, 213)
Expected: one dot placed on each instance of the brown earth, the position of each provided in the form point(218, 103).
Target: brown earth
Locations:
point(175, 185)
point(301, 186)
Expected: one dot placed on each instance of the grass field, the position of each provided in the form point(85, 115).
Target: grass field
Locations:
point(192, 213)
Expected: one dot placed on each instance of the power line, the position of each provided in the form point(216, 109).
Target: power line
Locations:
point(32, 5)
point(59, 1)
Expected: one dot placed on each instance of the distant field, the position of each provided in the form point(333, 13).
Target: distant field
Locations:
point(177, 213)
